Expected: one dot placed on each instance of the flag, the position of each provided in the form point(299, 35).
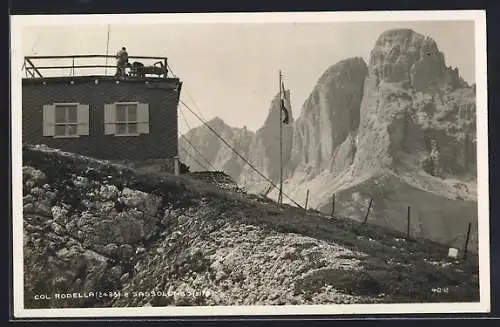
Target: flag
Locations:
point(285, 103)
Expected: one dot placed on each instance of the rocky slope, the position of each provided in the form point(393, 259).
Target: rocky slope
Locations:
point(399, 129)
point(98, 234)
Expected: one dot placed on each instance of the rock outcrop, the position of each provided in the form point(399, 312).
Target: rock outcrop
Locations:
point(219, 178)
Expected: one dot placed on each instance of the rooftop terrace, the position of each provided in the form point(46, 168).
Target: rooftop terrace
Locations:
point(36, 67)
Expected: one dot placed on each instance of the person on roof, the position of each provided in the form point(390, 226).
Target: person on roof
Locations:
point(121, 62)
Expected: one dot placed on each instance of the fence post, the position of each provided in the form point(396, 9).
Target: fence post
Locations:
point(307, 199)
point(408, 218)
point(368, 210)
point(333, 204)
point(467, 241)
point(176, 166)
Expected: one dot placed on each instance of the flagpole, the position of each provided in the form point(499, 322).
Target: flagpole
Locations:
point(280, 196)
point(107, 48)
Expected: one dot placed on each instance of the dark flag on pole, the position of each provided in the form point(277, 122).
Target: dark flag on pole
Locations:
point(285, 104)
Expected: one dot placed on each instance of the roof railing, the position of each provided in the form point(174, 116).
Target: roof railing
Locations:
point(160, 68)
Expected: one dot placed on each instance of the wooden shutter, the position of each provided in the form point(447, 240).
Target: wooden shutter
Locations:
point(83, 119)
point(143, 118)
point(109, 119)
point(49, 120)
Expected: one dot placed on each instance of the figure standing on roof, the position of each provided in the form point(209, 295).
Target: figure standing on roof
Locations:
point(121, 62)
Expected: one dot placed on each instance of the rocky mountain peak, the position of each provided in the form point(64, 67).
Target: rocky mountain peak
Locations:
point(329, 115)
point(217, 123)
point(413, 60)
point(264, 151)
point(272, 119)
point(218, 155)
point(342, 68)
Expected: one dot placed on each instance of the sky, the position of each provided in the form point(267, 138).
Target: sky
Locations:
point(230, 70)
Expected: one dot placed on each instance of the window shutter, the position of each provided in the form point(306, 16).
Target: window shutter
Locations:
point(49, 120)
point(109, 119)
point(143, 118)
point(83, 119)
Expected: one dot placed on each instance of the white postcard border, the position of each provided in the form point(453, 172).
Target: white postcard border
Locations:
point(478, 16)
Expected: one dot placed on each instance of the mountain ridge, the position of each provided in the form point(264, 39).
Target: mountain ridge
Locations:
point(404, 119)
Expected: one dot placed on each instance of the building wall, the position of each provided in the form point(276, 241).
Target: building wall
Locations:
point(162, 97)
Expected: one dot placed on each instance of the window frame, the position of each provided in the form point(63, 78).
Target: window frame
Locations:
point(126, 122)
point(67, 105)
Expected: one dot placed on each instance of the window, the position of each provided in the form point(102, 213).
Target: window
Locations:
point(126, 119)
point(65, 120)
